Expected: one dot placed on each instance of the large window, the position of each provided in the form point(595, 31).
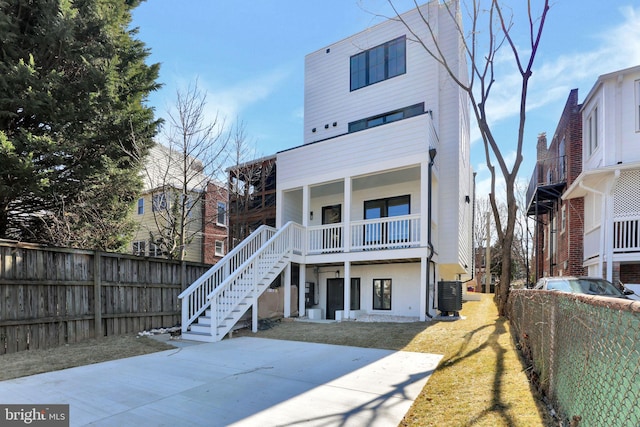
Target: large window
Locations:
point(382, 294)
point(382, 208)
point(378, 63)
point(392, 116)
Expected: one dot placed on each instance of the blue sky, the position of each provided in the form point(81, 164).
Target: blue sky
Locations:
point(248, 55)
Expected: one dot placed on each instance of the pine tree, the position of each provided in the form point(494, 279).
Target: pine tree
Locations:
point(73, 81)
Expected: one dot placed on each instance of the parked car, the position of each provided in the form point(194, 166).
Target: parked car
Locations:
point(580, 285)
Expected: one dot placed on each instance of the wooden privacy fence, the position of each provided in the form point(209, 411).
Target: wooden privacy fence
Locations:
point(54, 296)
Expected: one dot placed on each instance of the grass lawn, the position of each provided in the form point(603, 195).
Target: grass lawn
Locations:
point(479, 382)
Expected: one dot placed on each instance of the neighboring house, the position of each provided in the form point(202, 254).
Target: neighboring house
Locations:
point(610, 177)
point(559, 223)
point(374, 209)
point(252, 197)
point(215, 239)
point(159, 213)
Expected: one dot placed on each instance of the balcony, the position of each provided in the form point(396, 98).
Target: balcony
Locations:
point(374, 234)
point(547, 183)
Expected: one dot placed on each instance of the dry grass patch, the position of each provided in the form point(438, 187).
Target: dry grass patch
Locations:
point(479, 382)
point(24, 363)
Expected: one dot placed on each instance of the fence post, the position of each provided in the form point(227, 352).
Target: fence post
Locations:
point(97, 291)
point(183, 275)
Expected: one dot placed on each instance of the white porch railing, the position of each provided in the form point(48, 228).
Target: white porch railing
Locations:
point(231, 299)
point(386, 233)
point(194, 298)
point(626, 234)
point(381, 233)
point(325, 238)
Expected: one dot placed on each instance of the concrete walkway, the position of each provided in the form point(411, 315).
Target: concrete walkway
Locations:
point(239, 382)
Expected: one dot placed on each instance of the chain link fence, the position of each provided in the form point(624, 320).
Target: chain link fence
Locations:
point(583, 354)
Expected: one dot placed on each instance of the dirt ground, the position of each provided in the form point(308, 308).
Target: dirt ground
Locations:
point(24, 363)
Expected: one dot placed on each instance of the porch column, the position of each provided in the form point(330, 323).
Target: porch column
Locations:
point(424, 202)
point(302, 286)
point(287, 290)
point(607, 224)
point(423, 288)
point(347, 290)
point(346, 244)
point(305, 206)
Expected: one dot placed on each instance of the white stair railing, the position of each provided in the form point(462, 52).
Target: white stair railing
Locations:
point(231, 299)
point(195, 298)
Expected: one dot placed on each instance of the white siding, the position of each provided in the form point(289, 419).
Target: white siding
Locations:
point(389, 146)
point(328, 98)
point(614, 96)
point(405, 294)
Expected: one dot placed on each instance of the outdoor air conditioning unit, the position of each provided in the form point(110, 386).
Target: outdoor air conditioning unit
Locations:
point(449, 297)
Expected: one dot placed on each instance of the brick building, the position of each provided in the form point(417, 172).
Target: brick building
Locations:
point(559, 224)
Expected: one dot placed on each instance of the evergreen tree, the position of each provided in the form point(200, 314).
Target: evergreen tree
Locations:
point(73, 82)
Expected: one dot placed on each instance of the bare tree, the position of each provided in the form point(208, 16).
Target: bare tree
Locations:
point(491, 29)
point(180, 173)
point(252, 187)
point(523, 233)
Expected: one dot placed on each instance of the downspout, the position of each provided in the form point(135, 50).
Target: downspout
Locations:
point(432, 156)
point(473, 226)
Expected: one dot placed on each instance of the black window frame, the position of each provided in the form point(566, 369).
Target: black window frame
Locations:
point(379, 302)
point(376, 233)
point(365, 66)
point(386, 118)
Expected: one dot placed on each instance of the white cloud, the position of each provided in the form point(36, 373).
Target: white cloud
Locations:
point(229, 101)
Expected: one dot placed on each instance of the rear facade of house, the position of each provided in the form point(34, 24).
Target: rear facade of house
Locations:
point(375, 104)
point(374, 208)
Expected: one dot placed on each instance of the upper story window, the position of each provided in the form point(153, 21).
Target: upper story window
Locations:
point(159, 202)
point(379, 63)
point(140, 206)
point(392, 116)
point(592, 131)
point(222, 213)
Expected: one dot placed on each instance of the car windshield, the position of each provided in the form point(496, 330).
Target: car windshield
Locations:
point(594, 287)
point(559, 285)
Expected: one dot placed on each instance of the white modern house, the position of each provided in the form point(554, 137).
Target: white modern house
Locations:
point(610, 178)
point(376, 206)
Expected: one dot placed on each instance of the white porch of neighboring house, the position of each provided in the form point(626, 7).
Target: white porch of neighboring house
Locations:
point(612, 230)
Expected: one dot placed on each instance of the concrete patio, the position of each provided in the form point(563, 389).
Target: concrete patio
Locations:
point(239, 382)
